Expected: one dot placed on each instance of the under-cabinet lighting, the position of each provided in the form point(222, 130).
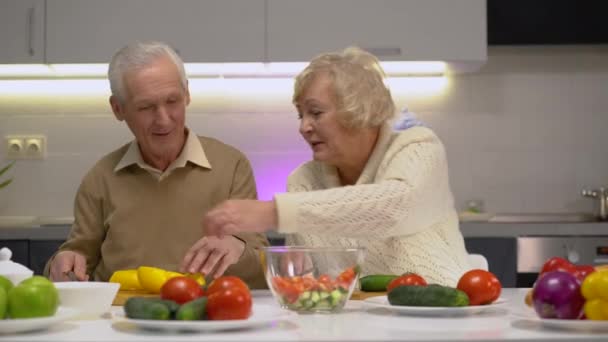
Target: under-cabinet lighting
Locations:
point(208, 70)
point(26, 89)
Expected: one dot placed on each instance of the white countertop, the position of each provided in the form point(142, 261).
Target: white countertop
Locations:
point(492, 229)
point(59, 231)
point(513, 322)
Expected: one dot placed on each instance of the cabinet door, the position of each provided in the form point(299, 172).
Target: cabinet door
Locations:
point(22, 31)
point(392, 29)
point(40, 252)
point(501, 254)
point(90, 31)
point(20, 250)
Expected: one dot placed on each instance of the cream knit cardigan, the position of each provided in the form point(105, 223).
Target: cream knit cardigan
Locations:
point(401, 209)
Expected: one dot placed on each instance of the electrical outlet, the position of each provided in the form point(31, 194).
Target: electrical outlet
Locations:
point(14, 146)
point(25, 146)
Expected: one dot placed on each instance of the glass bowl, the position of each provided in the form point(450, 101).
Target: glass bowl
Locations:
point(312, 279)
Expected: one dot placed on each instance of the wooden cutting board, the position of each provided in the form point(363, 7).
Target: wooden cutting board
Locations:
point(123, 295)
point(360, 295)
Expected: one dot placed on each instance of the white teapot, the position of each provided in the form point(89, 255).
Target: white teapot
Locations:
point(15, 272)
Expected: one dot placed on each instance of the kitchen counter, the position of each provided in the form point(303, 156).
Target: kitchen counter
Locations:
point(493, 229)
point(511, 322)
point(469, 229)
point(51, 232)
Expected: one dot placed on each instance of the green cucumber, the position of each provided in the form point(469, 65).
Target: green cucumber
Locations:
point(194, 310)
point(376, 282)
point(431, 295)
point(150, 308)
point(318, 300)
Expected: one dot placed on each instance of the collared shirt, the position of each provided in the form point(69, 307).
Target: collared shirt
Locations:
point(123, 218)
point(191, 152)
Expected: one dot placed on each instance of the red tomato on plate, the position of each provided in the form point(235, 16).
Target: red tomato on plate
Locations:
point(558, 264)
point(406, 280)
point(181, 290)
point(226, 282)
point(481, 286)
point(582, 271)
point(229, 304)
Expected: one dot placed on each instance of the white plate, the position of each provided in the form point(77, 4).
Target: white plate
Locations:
point(382, 302)
point(573, 324)
point(262, 315)
point(11, 326)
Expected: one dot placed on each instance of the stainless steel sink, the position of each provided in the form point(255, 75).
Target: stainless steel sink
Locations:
point(543, 218)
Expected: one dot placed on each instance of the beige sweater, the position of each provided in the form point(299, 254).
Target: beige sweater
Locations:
point(127, 216)
point(401, 209)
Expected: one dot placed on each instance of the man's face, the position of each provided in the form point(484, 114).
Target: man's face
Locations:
point(155, 109)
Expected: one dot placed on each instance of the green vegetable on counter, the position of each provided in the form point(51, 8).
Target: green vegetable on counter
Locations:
point(430, 295)
point(376, 282)
point(150, 308)
point(194, 310)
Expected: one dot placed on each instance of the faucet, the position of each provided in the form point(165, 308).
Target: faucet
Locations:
point(602, 195)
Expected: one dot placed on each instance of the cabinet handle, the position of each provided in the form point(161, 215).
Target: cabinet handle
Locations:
point(30, 33)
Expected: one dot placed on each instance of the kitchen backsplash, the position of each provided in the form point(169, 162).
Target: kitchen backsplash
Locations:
point(525, 134)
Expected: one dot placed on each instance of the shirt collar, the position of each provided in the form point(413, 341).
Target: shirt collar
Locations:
point(191, 152)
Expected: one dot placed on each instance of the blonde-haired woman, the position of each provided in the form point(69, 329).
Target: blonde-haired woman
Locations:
point(367, 186)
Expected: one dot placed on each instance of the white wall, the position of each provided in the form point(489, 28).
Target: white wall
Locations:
point(524, 134)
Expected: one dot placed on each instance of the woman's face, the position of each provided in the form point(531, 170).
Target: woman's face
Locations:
point(329, 140)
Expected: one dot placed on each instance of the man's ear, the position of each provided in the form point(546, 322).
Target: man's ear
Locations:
point(187, 93)
point(117, 108)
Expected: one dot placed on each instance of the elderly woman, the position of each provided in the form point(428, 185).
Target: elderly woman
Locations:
point(367, 186)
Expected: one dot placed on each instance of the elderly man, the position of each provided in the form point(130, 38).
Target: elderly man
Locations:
point(143, 204)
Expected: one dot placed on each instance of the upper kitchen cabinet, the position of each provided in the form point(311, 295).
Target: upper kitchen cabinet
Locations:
point(90, 31)
point(565, 22)
point(22, 31)
point(411, 30)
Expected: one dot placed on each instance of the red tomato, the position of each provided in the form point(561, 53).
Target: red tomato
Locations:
point(324, 278)
point(181, 290)
point(234, 303)
point(405, 280)
point(324, 283)
point(346, 278)
point(226, 282)
point(558, 264)
point(285, 288)
point(481, 286)
point(582, 271)
point(309, 283)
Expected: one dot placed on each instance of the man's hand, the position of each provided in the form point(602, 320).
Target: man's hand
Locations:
point(212, 255)
point(68, 261)
point(233, 216)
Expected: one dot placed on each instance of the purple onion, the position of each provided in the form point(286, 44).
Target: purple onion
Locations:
point(557, 295)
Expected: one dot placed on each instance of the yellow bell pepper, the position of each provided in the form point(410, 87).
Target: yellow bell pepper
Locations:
point(595, 291)
point(149, 278)
point(199, 277)
point(127, 279)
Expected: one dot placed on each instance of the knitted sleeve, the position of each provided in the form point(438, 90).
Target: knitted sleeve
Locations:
point(414, 193)
point(243, 186)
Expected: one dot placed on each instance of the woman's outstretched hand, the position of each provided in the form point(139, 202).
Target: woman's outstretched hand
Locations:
point(234, 216)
